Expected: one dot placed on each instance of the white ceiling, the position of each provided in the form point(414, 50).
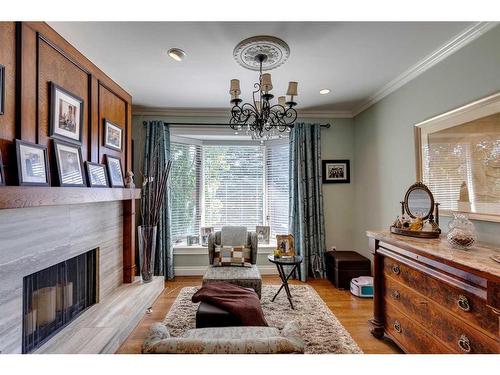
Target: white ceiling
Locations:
point(353, 59)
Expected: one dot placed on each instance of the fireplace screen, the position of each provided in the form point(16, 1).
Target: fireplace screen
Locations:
point(55, 296)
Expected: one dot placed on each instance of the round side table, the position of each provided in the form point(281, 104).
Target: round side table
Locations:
point(280, 263)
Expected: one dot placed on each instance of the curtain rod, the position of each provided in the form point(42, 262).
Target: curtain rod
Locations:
point(220, 124)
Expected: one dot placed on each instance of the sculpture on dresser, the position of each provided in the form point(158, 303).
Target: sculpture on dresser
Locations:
point(152, 196)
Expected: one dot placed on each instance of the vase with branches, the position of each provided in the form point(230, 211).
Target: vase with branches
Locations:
point(152, 197)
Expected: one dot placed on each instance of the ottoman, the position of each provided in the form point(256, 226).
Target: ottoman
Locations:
point(212, 316)
point(343, 266)
point(246, 277)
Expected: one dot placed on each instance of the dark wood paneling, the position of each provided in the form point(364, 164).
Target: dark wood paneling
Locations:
point(8, 118)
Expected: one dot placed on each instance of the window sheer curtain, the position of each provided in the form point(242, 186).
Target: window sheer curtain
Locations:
point(158, 133)
point(306, 218)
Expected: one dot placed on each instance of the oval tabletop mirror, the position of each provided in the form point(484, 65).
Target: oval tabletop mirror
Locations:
point(419, 201)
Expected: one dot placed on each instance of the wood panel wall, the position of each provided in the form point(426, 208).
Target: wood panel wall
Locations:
point(35, 55)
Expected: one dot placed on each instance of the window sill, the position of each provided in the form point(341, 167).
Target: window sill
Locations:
point(182, 249)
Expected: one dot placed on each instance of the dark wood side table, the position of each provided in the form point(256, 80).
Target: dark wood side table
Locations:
point(280, 263)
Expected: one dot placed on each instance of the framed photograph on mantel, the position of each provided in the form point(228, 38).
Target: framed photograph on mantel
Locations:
point(69, 164)
point(336, 171)
point(115, 171)
point(96, 173)
point(112, 136)
point(32, 164)
point(66, 115)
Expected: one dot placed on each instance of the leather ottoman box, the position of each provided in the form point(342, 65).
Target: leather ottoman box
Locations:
point(343, 266)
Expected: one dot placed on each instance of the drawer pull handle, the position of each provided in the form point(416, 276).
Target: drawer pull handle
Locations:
point(463, 303)
point(397, 326)
point(395, 269)
point(395, 294)
point(464, 343)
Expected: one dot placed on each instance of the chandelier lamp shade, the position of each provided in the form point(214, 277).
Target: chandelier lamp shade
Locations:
point(263, 117)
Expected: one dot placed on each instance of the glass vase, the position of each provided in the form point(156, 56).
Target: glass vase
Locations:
point(147, 251)
point(462, 233)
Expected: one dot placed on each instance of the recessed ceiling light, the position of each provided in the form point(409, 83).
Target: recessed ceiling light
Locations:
point(177, 54)
point(324, 91)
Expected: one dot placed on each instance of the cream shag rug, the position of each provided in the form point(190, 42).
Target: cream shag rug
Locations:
point(320, 329)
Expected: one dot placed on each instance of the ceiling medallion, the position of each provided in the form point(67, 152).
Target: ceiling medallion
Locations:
point(262, 117)
point(275, 49)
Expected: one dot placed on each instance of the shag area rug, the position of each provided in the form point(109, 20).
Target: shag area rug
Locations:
point(320, 329)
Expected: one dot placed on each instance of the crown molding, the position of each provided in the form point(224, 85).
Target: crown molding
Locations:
point(458, 42)
point(223, 112)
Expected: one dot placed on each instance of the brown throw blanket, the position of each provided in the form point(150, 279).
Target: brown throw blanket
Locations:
point(238, 301)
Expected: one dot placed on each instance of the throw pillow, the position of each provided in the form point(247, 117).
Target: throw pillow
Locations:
point(232, 256)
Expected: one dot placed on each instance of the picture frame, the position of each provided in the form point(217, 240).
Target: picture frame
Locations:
point(2, 89)
point(96, 175)
point(113, 136)
point(66, 115)
point(204, 234)
point(285, 245)
point(263, 234)
point(32, 164)
point(69, 164)
point(192, 240)
point(2, 174)
point(115, 172)
point(336, 171)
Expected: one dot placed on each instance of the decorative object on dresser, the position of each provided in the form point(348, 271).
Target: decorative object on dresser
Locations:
point(462, 234)
point(115, 173)
point(419, 214)
point(66, 114)
point(96, 174)
point(32, 164)
point(336, 171)
point(462, 145)
point(2, 174)
point(343, 266)
point(69, 164)
point(2, 89)
point(112, 136)
point(431, 298)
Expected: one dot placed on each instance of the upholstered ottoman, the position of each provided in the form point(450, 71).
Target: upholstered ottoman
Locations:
point(212, 316)
point(247, 277)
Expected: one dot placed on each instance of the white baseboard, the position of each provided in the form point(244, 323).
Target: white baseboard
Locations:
point(200, 270)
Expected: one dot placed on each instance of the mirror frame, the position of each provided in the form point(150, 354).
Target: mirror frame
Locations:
point(418, 186)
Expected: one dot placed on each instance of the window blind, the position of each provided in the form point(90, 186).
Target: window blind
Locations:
point(277, 182)
point(233, 185)
point(185, 184)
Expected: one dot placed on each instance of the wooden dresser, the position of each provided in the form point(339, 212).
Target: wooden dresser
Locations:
point(431, 298)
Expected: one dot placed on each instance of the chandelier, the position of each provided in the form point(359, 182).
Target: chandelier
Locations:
point(261, 118)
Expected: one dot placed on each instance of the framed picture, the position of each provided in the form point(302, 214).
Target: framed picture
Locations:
point(66, 115)
point(204, 233)
point(263, 234)
point(2, 174)
point(193, 240)
point(285, 244)
point(112, 136)
point(336, 172)
point(69, 164)
point(2, 89)
point(115, 172)
point(32, 164)
point(96, 174)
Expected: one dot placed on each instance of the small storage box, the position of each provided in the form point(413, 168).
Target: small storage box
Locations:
point(362, 286)
point(343, 266)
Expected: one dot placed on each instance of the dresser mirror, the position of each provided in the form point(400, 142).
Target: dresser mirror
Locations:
point(458, 158)
point(419, 214)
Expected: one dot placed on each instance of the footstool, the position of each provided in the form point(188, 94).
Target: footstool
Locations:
point(212, 316)
point(247, 277)
point(343, 266)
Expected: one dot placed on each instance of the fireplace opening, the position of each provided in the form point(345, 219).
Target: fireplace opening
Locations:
point(54, 296)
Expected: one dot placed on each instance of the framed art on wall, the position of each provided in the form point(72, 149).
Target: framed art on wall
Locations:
point(32, 164)
point(112, 136)
point(336, 171)
point(115, 172)
point(2, 89)
point(69, 164)
point(96, 174)
point(66, 115)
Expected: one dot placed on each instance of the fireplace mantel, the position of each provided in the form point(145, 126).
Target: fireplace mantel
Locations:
point(24, 196)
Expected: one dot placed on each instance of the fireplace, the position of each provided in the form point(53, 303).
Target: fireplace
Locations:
point(56, 295)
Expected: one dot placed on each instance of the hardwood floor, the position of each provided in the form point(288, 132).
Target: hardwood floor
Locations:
point(352, 312)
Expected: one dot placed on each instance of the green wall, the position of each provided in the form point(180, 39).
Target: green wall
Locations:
point(383, 134)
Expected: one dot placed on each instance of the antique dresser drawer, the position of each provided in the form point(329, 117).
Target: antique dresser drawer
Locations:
point(459, 298)
point(409, 335)
point(456, 334)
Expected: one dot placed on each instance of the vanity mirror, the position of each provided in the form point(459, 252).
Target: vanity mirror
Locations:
point(419, 214)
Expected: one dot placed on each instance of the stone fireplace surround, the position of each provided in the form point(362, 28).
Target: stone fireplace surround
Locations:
point(35, 238)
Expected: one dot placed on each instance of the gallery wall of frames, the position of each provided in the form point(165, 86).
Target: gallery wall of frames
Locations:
point(63, 122)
